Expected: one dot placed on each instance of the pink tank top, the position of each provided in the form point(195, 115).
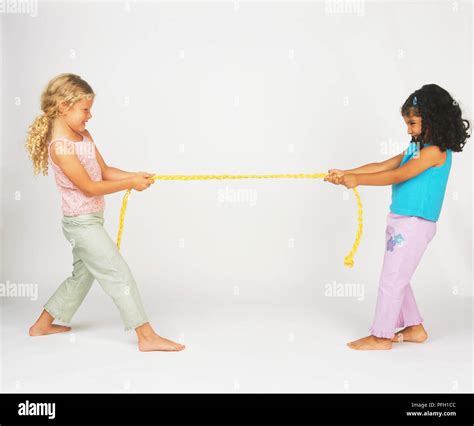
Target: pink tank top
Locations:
point(74, 201)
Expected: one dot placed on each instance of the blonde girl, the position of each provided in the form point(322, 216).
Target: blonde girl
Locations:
point(59, 138)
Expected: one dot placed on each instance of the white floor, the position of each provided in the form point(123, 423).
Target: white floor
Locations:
point(280, 344)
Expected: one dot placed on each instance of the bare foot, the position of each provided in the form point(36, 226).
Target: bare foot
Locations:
point(158, 343)
point(413, 333)
point(148, 340)
point(41, 330)
point(371, 343)
point(44, 325)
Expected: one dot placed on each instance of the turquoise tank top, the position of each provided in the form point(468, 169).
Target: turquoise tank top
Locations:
point(421, 195)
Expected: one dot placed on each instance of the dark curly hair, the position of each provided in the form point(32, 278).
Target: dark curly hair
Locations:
point(441, 120)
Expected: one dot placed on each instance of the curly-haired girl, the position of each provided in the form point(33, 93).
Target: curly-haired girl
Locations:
point(418, 177)
point(59, 137)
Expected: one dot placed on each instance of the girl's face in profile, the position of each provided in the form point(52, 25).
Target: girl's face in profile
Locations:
point(78, 114)
point(413, 123)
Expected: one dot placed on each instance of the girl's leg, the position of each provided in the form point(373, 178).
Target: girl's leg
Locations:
point(407, 239)
point(409, 313)
point(411, 320)
point(102, 258)
point(65, 301)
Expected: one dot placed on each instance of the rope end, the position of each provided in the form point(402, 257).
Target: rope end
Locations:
point(349, 262)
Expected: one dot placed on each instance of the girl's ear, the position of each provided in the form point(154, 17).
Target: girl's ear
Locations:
point(63, 107)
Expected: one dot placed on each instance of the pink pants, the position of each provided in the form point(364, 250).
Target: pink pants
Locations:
point(406, 240)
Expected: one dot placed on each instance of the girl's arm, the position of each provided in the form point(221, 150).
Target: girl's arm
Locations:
point(391, 163)
point(73, 169)
point(430, 156)
point(112, 173)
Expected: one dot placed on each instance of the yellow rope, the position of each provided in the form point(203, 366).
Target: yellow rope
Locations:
point(348, 260)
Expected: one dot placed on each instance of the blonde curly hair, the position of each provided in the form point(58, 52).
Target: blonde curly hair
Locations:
point(68, 88)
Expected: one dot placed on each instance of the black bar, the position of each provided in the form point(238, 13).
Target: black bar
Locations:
point(219, 409)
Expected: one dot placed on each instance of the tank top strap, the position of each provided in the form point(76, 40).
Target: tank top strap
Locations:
point(84, 138)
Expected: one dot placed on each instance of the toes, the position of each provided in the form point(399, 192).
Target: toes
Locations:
point(60, 328)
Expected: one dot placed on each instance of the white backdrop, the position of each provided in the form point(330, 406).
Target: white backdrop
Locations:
point(241, 87)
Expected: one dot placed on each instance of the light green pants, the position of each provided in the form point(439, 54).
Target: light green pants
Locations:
point(95, 256)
